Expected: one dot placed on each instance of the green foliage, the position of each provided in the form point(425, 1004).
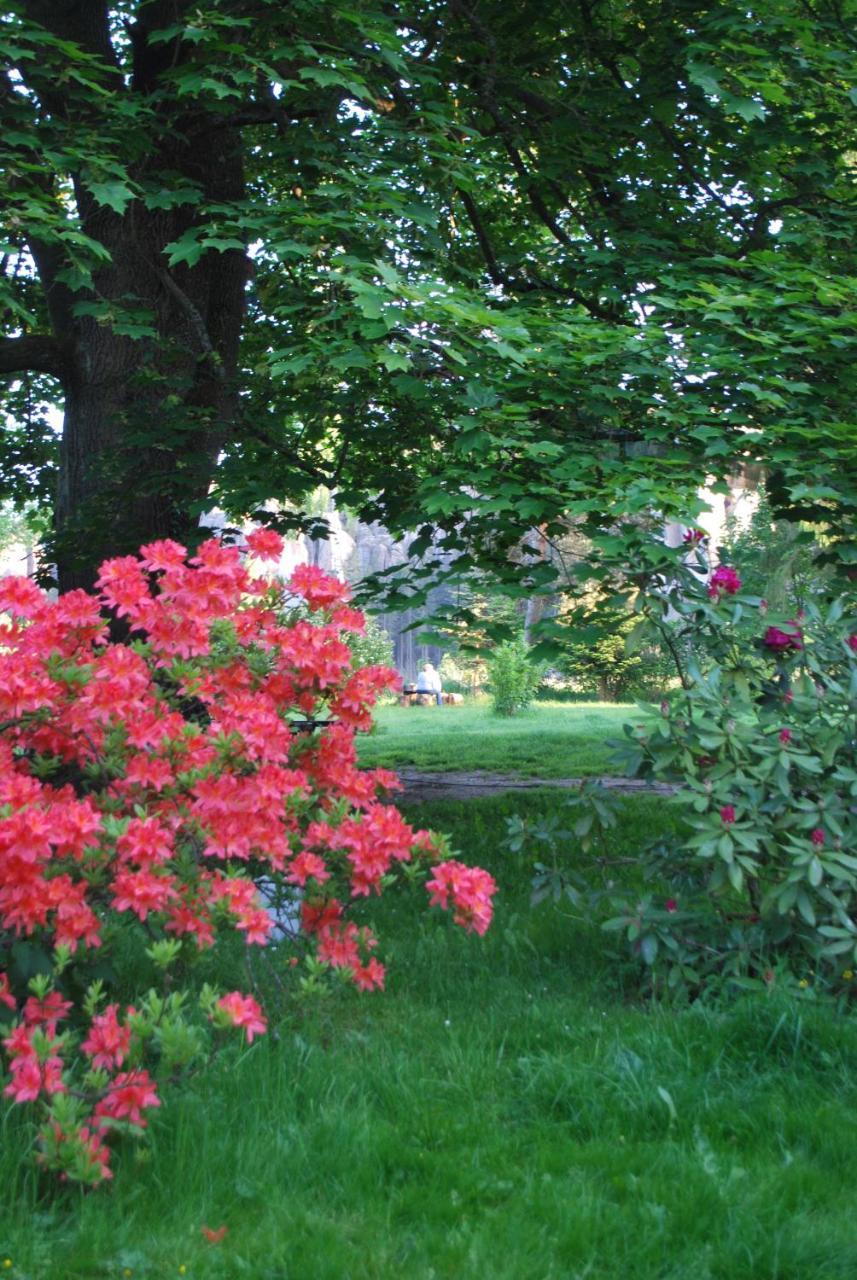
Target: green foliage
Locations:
point(762, 742)
point(514, 677)
point(374, 647)
point(19, 526)
point(586, 825)
point(780, 561)
point(392, 1149)
point(511, 264)
point(463, 671)
point(597, 657)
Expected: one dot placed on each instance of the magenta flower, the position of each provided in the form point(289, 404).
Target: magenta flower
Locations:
point(782, 641)
point(785, 736)
point(694, 536)
point(817, 835)
point(671, 905)
point(724, 581)
point(852, 643)
point(727, 814)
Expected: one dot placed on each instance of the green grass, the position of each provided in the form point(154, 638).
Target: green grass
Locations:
point(506, 1111)
point(549, 739)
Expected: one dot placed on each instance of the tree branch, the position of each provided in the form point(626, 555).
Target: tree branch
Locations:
point(33, 352)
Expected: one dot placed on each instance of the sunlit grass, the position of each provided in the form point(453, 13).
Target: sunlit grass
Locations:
point(549, 739)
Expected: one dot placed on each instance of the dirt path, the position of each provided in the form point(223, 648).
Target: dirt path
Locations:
point(421, 784)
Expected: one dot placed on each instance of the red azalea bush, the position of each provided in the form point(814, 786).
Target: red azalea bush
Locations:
point(148, 786)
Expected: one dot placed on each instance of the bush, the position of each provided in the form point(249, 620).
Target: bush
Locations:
point(514, 677)
point(762, 741)
point(598, 658)
point(373, 647)
point(148, 785)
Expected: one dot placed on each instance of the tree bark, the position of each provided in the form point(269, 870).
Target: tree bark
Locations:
point(145, 417)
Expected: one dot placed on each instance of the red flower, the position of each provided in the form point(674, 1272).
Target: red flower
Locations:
point(163, 554)
point(471, 890)
point(209, 776)
point(128, 1096)
point(6, 996)
point(671, 905)
point(267, 544)
point(727, 814)
point(107, 1043)
point(243, 1011)
point(817, 835)
point(724, 580)
point(852, 643)
point(694, 536)
point(21, 597)
point(785, 736)
point(47, 1012)
point(319, 589)
point(782, 641)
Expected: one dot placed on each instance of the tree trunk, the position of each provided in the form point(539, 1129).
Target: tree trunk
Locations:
point(145, 417)
point(146, 412)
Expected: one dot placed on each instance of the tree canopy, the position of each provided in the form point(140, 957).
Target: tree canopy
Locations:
point(477, 267)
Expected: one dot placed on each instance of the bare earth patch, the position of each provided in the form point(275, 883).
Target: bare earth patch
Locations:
point(420, 784)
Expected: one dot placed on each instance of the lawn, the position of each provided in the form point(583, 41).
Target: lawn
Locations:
point(549, 739)
point(508, 1110)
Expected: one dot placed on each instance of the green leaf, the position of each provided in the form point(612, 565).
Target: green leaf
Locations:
point(114, 195)
point(649, 948)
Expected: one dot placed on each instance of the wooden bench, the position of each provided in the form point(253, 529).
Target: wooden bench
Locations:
point(411, 697)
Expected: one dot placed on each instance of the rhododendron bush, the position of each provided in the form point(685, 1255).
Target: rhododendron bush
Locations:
point(150, 786)
point(761, 742)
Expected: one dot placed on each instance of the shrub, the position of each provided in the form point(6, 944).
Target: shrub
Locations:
point(599, 659)
point(146, 785)
point(371, 647)
point(762, 742)
point(514, 677)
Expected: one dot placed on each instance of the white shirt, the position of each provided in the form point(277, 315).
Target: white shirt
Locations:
point(429, 681)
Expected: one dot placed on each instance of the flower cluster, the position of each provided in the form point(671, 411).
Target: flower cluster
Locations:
point(724, 581)
point(780, 641)
point(469, 889)
point(154, 782)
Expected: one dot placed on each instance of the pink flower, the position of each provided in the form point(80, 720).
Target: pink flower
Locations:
point(785, 736)
point(852, 643)
point(163, 554)
point(470, 889)
point(128, 1095)
point(671, 905)
point(320, 590)
point(243, 1011)
point(727, 814)
point(6, 996)
point(107, 1043)
point(724, 580)
point(694, 536)
point(817, 835)
point(782, 641)
point(47, 1012)
point(267, 544)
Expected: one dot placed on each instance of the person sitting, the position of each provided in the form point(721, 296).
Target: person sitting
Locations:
point(428, 681)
